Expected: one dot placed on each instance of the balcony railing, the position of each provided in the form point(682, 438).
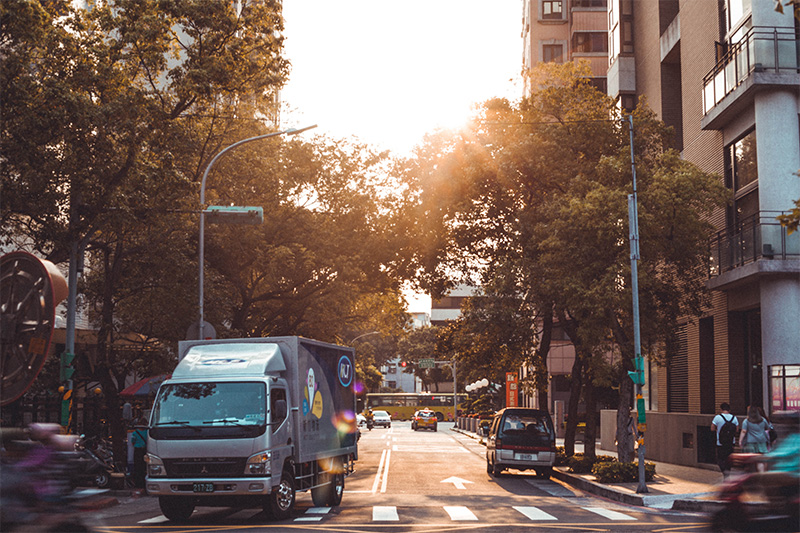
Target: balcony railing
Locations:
point(762, 49)
point(758, 237)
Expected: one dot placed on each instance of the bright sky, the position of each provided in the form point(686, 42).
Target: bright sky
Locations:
point(387, 71)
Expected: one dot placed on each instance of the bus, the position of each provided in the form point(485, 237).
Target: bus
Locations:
point(403, 405)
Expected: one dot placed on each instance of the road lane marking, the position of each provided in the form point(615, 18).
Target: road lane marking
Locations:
point(156, 520)
point(318, 510)
point(386, 470)
point(411, 448)
point(385, 514)
point(534, 513)
point(378, 473)
point(460, 513)
point(308, 519)
point(608, 513)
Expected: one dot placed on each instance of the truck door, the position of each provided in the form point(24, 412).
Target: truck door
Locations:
point(280, 426)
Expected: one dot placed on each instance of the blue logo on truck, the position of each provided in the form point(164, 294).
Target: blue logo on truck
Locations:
point(345, 371)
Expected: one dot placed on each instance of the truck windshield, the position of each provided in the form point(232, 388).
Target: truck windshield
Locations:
point(210, 404)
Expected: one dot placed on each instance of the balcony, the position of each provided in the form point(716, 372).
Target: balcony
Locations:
point(759, 246)
point(765, 57)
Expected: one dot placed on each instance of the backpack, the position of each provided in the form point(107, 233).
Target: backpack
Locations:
point(727, 433)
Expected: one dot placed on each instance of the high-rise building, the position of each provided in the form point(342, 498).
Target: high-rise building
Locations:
point(566, 30)
point(724, 74)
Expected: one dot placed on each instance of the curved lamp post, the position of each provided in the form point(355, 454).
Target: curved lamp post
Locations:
point(290, 131)
point(364, 335)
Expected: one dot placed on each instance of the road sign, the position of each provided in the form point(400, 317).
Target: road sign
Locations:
point(427, 363)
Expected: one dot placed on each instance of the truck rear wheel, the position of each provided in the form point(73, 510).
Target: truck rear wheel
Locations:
point(330, 494)
point(280, 501)
point(176, 508)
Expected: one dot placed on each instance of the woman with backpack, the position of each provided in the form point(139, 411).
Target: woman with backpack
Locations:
point(754, 437)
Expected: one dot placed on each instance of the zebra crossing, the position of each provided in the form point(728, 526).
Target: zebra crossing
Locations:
point(456, 513)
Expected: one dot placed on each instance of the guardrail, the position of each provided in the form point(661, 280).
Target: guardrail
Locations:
point(760, 236)
point(761, 49)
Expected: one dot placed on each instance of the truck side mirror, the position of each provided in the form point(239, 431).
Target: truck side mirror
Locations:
point(280, 410)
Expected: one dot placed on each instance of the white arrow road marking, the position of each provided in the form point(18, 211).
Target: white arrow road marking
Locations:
point(457, 481)
point(460, 513)
point(534, 513)
point(385, 514)
point(608, 513)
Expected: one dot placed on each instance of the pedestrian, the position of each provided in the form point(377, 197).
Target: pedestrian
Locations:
point(725, 425)
point(754, 437)
point(139, 451)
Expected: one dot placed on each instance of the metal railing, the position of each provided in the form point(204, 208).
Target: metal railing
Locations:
point(760, 236)
point(761, 49)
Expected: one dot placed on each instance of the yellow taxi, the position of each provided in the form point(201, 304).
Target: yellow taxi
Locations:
point(424, 419)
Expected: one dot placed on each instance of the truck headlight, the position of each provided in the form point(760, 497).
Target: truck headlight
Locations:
point(155, 466)
point(259, 464)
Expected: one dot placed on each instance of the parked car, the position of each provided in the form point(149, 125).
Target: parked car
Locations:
point(361, 420)
point(522, 439)
point(424, 419)
point(381, 418)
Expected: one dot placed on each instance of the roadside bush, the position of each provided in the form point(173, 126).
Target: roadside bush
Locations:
point(581, 464)
point(561, 456)
point(616, 472)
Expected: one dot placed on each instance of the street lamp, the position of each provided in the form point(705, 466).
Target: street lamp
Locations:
point(364, 335)
point(290, 131)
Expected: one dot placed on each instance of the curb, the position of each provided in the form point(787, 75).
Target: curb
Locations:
point(597, 488)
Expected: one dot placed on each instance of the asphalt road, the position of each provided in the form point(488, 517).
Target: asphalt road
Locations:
point(420, 481)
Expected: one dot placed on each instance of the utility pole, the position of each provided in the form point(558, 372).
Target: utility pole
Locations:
point(638, 374)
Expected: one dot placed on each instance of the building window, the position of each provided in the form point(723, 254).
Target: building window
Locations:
point(784, 384)
point(553, 53)
point(678, 374)
point(741, 176)
point(589, 3)
point(392, 370)
point(552, 9)
point(589, 42)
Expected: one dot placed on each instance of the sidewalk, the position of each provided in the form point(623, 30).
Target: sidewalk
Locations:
point(674, 487)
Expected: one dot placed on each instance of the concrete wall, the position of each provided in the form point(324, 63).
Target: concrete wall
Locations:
point(677, 438)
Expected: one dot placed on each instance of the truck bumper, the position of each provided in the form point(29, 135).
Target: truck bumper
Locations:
point(201, 488)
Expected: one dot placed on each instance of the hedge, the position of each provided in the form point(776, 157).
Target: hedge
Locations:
point(616, 472)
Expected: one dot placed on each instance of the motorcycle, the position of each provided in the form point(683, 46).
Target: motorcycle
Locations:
point(370, 424)
point(37, 488)
point(765, 494)
point(96, 463)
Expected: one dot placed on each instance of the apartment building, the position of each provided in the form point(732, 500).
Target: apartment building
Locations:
point(566, 30)
point(724, 74)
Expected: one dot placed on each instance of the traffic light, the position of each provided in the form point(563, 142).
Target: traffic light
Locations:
point(404, 363)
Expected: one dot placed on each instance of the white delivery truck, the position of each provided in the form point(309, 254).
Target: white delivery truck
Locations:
point(248, 422)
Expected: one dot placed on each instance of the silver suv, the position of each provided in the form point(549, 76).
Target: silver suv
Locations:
point(523, 439)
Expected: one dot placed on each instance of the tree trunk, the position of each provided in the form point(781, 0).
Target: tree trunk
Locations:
point(590, 433)
point(625, 436)
point(572, 407)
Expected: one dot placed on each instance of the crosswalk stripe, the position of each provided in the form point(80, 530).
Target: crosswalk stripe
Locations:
point(534, 513)
point(458, 513)
point(318, 510)
point(385, 514)
point(608, 513)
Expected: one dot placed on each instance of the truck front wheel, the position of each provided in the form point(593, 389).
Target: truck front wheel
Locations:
point(175, 508)
point(280, 501)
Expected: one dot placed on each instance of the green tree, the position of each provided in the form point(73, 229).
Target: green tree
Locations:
point(92, 104)
point(536, 194)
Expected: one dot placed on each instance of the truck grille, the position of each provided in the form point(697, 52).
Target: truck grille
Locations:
point(205, 467)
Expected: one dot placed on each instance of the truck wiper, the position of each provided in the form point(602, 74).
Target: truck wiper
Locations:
point(184, 423)
point(226, 421)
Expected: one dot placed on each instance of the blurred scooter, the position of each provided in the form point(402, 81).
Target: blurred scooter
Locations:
point(93, 463)
point(765, 494)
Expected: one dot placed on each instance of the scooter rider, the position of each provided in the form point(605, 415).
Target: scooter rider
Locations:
point(370, 418)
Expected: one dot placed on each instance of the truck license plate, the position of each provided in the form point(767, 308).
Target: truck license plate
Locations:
point(527, 457)
point(202, 487)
